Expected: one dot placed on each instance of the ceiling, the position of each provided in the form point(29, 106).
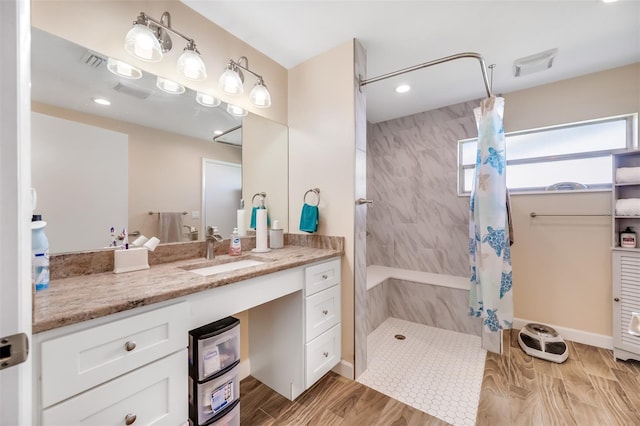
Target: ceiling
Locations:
point(590, 36)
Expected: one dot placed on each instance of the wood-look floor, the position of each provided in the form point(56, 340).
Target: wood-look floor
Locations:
point(590, 388)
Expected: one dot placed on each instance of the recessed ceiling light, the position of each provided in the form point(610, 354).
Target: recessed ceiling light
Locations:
point(609, 1)
point(101, 101)
point(403, 88)
point(218, 132)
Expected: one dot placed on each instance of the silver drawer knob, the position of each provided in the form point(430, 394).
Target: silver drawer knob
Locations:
point(325, 312)
point(325, 276)
point(129, 419)
point(326, 354)
point(129, 346)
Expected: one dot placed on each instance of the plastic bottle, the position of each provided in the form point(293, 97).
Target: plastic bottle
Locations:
point(39, 254)
point(235, 246)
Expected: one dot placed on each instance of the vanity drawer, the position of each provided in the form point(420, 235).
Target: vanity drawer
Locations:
point(321, 276)
point(155, 395)
point(322, 312)
point(80, 360)
point(322, 354)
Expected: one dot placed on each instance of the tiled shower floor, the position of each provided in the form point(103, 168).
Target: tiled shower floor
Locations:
point(434, 370)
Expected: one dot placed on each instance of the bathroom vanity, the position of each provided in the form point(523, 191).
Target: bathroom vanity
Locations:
point(112, 348)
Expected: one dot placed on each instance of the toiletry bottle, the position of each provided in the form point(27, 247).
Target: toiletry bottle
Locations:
point(39, 253)
point(628, 238)
point(235, 246)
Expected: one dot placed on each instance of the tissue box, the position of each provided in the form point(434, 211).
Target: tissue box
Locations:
point(133, 259)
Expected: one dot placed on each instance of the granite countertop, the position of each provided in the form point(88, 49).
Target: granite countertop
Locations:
point(81, 298)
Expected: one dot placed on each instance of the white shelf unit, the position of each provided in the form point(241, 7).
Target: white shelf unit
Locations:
point(623, 191)
point(625, 263)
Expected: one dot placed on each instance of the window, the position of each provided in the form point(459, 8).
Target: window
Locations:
point(575, 153)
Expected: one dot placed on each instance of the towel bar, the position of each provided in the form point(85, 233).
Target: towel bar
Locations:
point(315, 191)
point(159, 213)
point(534, 214)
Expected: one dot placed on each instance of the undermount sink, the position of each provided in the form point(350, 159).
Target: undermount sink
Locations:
point(231, 265)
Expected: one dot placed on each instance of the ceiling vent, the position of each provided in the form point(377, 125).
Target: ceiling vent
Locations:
point(132, 91)
point(534, 63)
point(93, 60)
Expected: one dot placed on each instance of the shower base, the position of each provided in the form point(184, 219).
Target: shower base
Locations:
point(433, 370)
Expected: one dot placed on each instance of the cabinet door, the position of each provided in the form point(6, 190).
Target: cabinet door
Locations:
point(78, 361)
point(322, 311)
point(626, 288)
point(152, 395)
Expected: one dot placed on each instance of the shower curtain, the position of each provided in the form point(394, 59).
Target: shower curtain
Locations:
point(489, 250)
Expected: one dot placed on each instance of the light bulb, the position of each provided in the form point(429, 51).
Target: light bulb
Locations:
point(190, 65)
point(260, 96)
point(230, 82)
point(207, 100)
point(169, 86)
point(142, 43)
point(236, 110)
point(123, 69)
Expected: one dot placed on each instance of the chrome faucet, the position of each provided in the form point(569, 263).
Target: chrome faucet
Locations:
point(213, 235)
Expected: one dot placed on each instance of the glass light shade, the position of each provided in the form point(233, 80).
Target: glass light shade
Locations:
point(260, 96)
point(142, 43)
point(169, 86)
point(230, 82)
point(207, 100)
point(190, 65)
point(123, 69)
point(236, 110)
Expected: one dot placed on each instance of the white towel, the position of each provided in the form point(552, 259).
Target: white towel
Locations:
point(628, 207)
point(170, 227)
point(628, 175)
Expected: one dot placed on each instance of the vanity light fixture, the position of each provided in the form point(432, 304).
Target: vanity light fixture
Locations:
point(149, 39)
point(169, 86)
point(123, 69)
point(207, 100)
point(236, 110)
point(403, 88)
point(232, 79)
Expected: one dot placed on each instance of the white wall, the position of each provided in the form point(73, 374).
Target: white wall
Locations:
point(81, 176)
point(322, 155)
point(562, 266)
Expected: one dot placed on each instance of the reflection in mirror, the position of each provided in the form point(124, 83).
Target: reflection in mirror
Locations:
point(95, 166)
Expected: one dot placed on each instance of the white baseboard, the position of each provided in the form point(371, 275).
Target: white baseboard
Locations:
point(580, 336)
point(244, 369)
point(344, 369)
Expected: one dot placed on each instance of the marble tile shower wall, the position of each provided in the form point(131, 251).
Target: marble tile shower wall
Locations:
point(418, 221)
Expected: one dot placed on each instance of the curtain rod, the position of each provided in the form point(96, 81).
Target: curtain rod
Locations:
point(474, 55)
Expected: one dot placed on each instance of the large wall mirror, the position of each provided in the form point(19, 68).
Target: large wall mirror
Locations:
point(100, 166)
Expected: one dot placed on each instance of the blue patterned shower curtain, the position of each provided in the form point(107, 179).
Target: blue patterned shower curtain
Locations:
point(489, 252)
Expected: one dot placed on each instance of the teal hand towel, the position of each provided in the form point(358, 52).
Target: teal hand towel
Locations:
point(252, 225)
point(253, 218)
point(309, 218)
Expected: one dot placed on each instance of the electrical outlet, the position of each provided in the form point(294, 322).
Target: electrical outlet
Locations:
point(195, 214)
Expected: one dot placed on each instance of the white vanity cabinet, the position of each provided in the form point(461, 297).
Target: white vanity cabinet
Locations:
point(115, 370)
point(322, 320)
point(296, 339)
